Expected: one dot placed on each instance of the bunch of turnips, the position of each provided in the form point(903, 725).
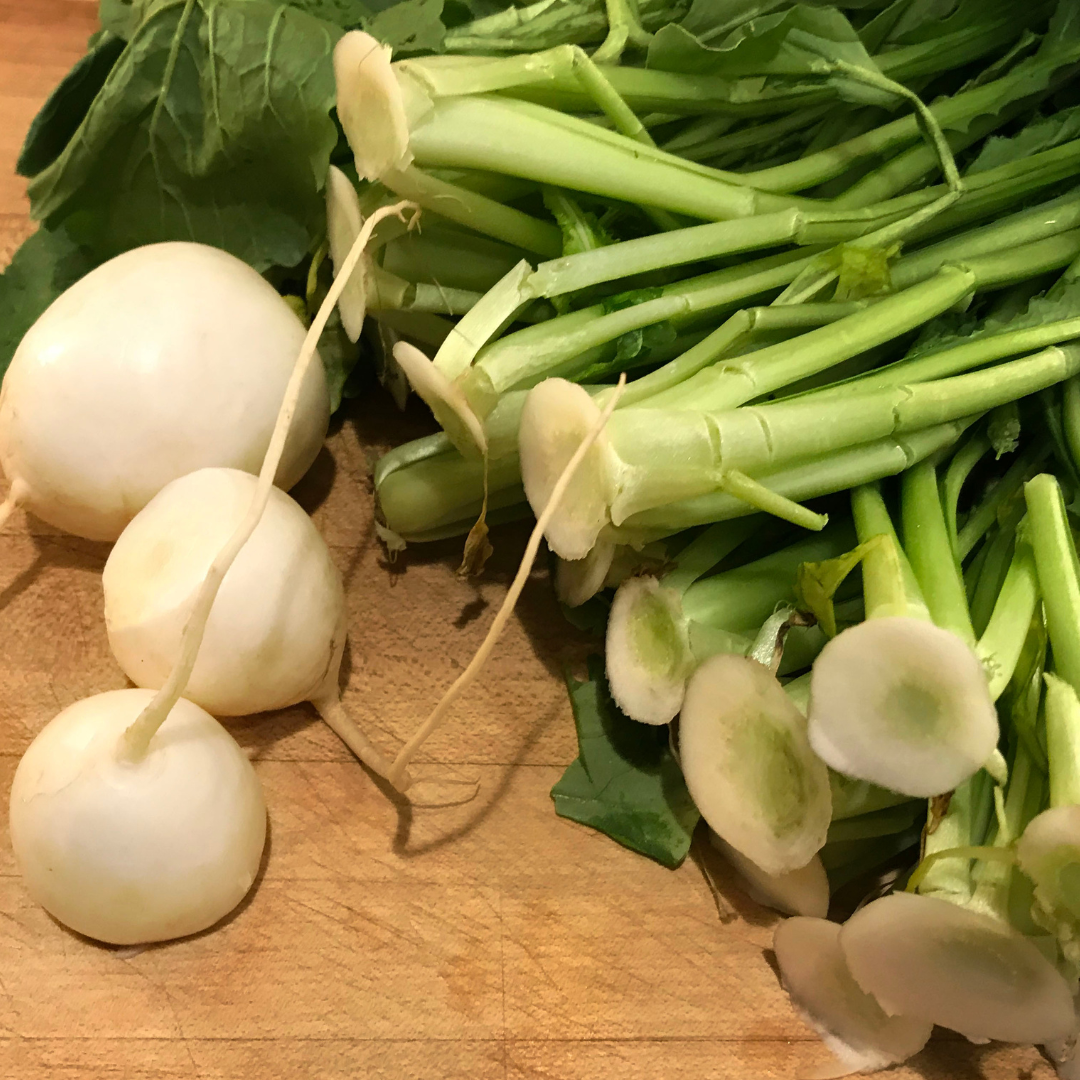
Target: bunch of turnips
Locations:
point(769, 316)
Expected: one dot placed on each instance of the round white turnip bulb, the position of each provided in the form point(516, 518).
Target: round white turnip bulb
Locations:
point(129, 852)
point(276, 632)
point(165, 359)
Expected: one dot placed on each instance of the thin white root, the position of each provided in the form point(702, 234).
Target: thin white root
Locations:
point(461, 683)
point(347, 730)
point(16, 494)
point(136, 738)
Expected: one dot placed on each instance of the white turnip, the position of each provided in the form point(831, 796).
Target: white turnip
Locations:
point(166, 359)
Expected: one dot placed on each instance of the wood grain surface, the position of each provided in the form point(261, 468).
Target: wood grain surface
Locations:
point(486, 941)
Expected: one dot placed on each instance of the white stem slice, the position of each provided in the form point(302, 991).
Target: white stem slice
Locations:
point(277, 623)
point(136, 852)
point(370, 105)
point(446, 399)
point(850, 1022)
point(556, 416)
point(904, 704)
point(1049, 853)
point(1065, 1055)
point(930, 959)
point(798, 892)
point(648, 651)
point(344, 221)
point(579, 580)
point(749, 767)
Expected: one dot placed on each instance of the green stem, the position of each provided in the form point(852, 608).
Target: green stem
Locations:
point(927, 120)
point(963, 461)
point(476, 211)
point(624, 28)
point(704, 552)
point(729, 385)
point(523, 358)
point(741, 599)
point(1062, 741)
point(963, 825)
point(732, 338)
point(995, 567)
point(1005, 235)
point(928, 547)
point(988, 512)
point(1070, 416)
point(1004, 856)
point(910, 166)
point(889, 584)
point(1002, 642)
point(949, 112)
point(821, 476)
point(526, 140)
point(1023, 800)
point(1058, 570)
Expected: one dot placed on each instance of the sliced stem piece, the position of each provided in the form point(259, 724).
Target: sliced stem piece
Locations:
point(850, 1021)
point(940, 963)
point(749, 767)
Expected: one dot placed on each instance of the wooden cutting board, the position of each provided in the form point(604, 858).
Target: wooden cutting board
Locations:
point(481, 941)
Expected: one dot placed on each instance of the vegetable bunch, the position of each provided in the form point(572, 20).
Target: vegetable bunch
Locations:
point(892, 293)
point(695, 282)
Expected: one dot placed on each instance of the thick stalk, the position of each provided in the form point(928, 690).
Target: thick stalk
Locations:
point(890, 587)
point(1059, 572)
point(1062, 741)
point(671, 454)
point(821, 476)
point(474, 211)
point(729, 385)
point(526, 140)
point(929, 549)
point(1002, 642)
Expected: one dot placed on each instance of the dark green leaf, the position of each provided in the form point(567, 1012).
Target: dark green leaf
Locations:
point(1061, 302)
point(590, 617)
point(1042, 133)
point(629, 299)
point(793, 42)
point(45, 265)
point(1064, 31)
point(410, 27)
point(339, 356)
point(66, 106)
point(121, 17)
point(347, 14)
point(581, 229)
point(625, 781)
point(926, 20)
point(214, 126)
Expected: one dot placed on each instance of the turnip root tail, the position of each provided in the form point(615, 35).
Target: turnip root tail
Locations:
point(461, 683)
point(136, 739)
point(348, 731)
point(15, 496)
